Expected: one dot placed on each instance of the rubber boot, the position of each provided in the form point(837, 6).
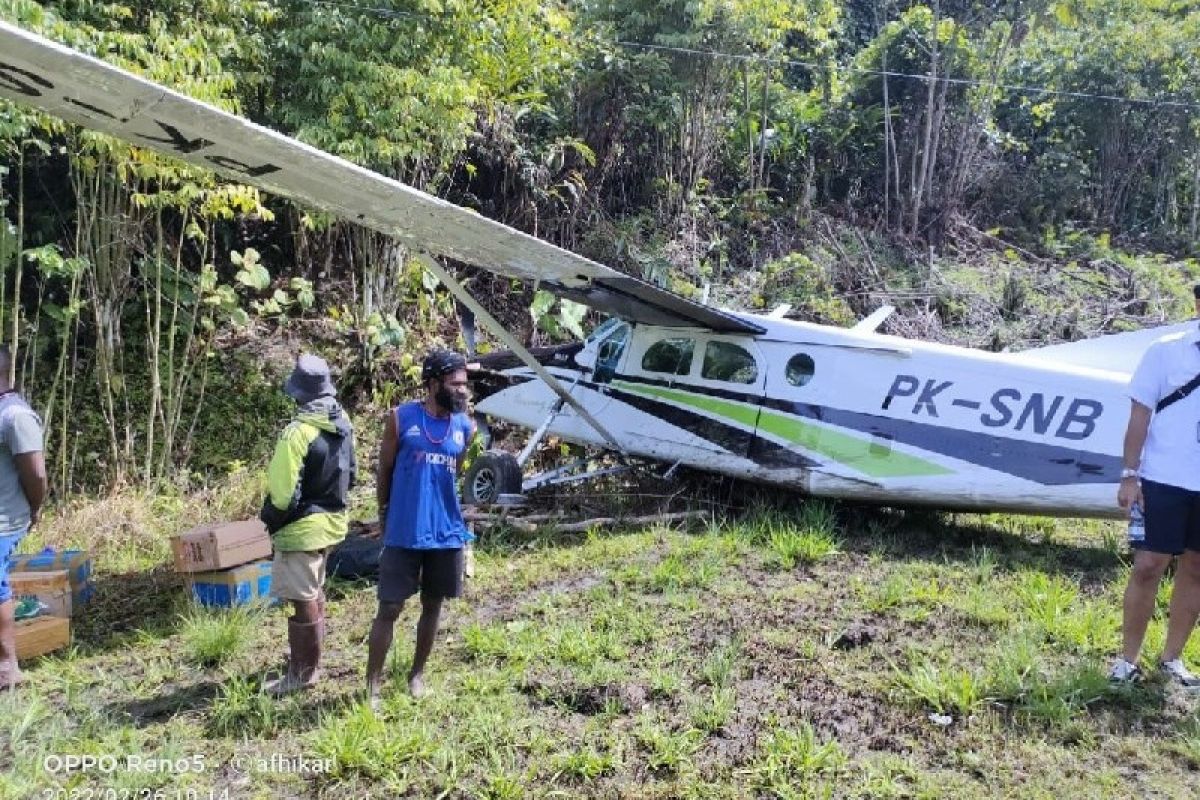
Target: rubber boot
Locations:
point(304, 640)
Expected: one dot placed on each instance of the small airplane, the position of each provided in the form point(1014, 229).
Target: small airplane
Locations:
point(827, 411)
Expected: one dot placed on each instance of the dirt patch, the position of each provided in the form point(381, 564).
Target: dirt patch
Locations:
point(508, 606)
point(121, 603)
point(563, 691)
point(856, 635)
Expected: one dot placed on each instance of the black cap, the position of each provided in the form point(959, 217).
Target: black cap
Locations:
point(441, 362)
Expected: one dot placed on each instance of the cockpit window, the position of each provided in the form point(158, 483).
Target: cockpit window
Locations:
point(672, 356)
point(608, 356)
point(725, 361)
point(605, 328)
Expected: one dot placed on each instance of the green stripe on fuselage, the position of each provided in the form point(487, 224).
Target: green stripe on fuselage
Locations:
point(873, 458)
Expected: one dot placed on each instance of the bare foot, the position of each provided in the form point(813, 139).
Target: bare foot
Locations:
point(11, 680)
point(416, 685)
point(374, 696)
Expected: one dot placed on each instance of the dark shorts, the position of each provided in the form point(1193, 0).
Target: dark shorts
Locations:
point(1172, 519)
point(435, 573)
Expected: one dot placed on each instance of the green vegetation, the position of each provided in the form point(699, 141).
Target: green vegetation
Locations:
point(819, 651)
point(214, 638)
point(749, 150)
point(926, 657)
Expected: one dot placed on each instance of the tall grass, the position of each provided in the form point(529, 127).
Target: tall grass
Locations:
point(794, 758)
point(791, 539)
point(213, 637)
point(942, 688)
point(130, 529)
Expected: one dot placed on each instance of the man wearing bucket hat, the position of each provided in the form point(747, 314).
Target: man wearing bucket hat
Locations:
point(420, 457)
point(305, 511)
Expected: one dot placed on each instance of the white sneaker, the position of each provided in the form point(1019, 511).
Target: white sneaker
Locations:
point(1180, 674)
point(1124, 672)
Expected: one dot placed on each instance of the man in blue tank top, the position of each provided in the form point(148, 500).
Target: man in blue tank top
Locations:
point(423, 530)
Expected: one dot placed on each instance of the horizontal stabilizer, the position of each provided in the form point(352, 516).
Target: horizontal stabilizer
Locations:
point(1118, 352)
point(872, 323)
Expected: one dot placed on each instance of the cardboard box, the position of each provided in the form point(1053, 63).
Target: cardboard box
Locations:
point(221, 545)
point(41, 635)
point(52, 589)
point(232, 587)
point(76, 563)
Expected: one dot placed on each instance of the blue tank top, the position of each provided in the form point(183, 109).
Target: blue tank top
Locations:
point(423, 510)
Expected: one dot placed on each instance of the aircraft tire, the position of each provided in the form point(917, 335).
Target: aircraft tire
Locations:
point(490, 475)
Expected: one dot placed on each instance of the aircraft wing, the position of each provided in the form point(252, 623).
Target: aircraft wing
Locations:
point(1116, 352)
point(79, 88)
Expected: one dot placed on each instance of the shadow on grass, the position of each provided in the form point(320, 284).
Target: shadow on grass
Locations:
point(902, 534)
point(150, 602)
point(1142, 709)
point(299, 712)
point(905, 533)
point(171, 700)
point(919, 534)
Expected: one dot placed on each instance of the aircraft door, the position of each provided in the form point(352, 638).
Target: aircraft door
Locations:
point(726, 386)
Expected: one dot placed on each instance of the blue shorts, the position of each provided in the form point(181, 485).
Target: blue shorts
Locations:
point(8, 546)
point(1172, 519)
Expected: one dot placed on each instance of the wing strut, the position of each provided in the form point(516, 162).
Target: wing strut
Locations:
point(519, 350)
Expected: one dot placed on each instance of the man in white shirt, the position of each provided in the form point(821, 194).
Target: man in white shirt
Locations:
point(1162, 476)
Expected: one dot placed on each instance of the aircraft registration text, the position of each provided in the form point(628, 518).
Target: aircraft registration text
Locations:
point(1072, 418)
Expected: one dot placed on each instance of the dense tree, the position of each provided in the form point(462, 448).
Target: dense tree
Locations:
point(767, 148)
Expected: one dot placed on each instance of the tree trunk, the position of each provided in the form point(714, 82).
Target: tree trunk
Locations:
point(17, 267)
point(887, 139)
point(762, 129)
point(1195, 222)
point(927, 139)
point(749, 125)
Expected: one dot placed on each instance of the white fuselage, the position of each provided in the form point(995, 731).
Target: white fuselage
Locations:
point(844, 413)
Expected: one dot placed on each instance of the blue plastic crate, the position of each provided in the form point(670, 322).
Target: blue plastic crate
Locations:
point(77, 564)
point(233, 587)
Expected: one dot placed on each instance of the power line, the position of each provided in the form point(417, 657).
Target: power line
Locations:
point(1019, 88)
point(382, 12)
point(1010, 87)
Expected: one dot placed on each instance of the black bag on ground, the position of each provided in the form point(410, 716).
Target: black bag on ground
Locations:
point(355, 557)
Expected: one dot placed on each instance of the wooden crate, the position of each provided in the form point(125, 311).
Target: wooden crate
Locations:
point(77, 563)
point(53, 589)
point(41, 635)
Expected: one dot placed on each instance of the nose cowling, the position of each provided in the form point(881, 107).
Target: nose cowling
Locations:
point(487, 372)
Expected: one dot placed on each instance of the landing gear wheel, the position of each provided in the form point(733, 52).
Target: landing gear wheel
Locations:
point(491, 475)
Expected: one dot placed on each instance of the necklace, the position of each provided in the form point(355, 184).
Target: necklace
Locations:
point(425, 430)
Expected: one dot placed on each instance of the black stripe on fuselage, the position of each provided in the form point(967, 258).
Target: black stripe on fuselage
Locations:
point(738, 441)
point(1047, 464)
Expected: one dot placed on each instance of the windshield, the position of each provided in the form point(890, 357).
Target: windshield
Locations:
point(604, 329)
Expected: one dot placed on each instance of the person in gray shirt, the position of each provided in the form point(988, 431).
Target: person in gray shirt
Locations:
point(22, 490)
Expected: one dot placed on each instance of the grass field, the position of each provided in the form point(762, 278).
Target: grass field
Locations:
point(823, 652)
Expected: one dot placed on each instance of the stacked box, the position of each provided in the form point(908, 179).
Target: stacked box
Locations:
point(52, 589)
point(232, 587)
point(76, 563)
point(220, 545)
point(41, 635)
